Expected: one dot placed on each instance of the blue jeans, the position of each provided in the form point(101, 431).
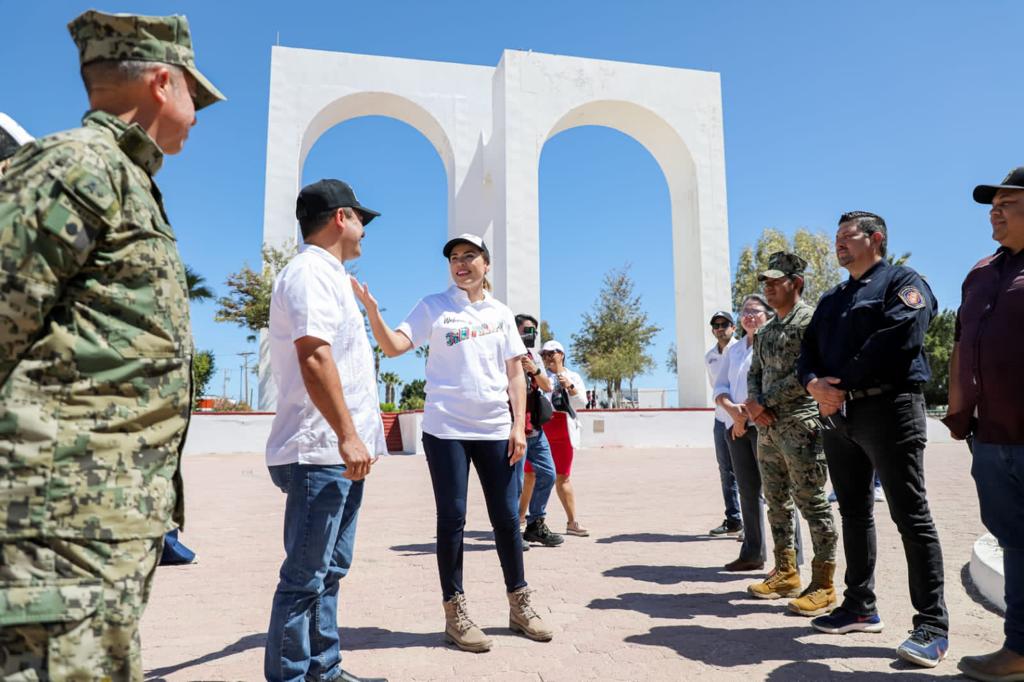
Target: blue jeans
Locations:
point(730, 491)
point(319, 535)
point(448, 461)
point(998, 472)
point(538, 453)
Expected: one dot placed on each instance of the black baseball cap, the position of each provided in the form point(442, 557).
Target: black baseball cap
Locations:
point(467, 238)
point(984, 194)
point(724, 315)
point(324, 195)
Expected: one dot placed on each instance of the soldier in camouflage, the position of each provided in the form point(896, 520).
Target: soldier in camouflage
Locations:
point(789, 450)
point(95, 357)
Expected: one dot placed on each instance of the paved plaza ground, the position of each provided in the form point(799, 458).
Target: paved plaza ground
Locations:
point(644, 598)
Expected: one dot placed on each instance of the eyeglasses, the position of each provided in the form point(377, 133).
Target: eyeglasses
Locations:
point(547, 353)
point(752, 313)
point(721, 325)
point(529, 330)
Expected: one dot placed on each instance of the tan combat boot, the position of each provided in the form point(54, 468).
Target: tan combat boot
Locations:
point(523, 619)
point(820, 595)
point(460, 630)
point(783, 581)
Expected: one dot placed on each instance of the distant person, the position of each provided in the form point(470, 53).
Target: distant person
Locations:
point(793, 469)
point(723, 329)
point(864, 363)
point(95, 350)
point(730, 393)
point(987, 408)
point(563, 431)
point(475, 413)
point(326, 434)
point(538, 469)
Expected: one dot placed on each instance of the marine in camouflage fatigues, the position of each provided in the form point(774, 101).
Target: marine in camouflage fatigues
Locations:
point(789, 451)
point(95, 377)
point(95, 355)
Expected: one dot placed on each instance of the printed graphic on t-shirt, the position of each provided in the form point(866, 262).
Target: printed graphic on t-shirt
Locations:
point(460, 334)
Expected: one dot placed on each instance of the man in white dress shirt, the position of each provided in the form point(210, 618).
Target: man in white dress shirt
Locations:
point(723, 328)
point(326, 434)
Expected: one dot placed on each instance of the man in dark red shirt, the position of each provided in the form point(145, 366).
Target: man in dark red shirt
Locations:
point(986, 406)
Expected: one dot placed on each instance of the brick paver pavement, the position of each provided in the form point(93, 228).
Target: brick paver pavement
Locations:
point(644, 598)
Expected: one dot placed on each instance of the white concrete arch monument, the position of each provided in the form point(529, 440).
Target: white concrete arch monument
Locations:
point(489, 126)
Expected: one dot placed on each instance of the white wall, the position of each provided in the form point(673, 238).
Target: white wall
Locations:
point(211, 432)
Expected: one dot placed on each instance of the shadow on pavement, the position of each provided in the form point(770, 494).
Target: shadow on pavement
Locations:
point(673, 575)
point(799, 671)
point(684, 606)
point(254, 641)
point(370, 638)
point(424, 548)
point(727, 648)
point(661, 537)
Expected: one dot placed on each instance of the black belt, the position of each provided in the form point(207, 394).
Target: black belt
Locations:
point(883, 389)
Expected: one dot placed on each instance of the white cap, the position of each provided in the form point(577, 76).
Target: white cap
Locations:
point(552, 345)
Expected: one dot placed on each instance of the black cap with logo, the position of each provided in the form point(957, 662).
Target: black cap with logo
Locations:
point(324, 195)
point(984, 194)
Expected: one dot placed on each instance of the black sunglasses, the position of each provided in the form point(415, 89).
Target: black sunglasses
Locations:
point(721, 325)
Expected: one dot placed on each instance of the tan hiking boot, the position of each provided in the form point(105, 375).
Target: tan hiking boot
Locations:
point(783, 581)
point(523, 619)
point(820, 596)
point(460, 630)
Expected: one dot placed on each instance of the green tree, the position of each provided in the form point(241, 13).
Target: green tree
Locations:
point(672, 359)
point(197, 289)
point(248, 303)
point(390, 380)
point(545, 332)
point(615, 335)
point(203, 367)
point(938, 347)
point(414, 394)
point(814, 247)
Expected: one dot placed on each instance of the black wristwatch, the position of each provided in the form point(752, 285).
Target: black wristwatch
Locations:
point(535, 373)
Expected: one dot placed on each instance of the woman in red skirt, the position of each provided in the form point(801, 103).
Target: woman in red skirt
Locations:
point(563, 431)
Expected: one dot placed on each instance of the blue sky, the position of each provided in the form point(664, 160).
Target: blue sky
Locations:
point(898, 108)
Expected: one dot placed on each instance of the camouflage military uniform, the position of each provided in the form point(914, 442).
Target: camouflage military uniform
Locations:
point(95, 365)
point(789, 451)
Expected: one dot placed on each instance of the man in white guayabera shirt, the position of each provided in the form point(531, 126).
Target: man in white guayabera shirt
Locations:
point(326, 434)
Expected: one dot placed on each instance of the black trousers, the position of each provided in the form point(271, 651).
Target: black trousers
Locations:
point(448, 461)
point(886, 434)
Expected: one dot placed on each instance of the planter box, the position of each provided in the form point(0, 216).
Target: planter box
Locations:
point(392, 431)
point(412, 432)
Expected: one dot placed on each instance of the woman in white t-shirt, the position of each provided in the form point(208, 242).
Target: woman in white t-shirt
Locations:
point(473, 376)
point(730, 392)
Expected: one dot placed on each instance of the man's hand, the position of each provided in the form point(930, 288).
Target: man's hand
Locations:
point(357, 459)
point(739, 428)
point(528, 365)
point(362, 292)
point(825, 393)
point(516, 445)
point(758, 413)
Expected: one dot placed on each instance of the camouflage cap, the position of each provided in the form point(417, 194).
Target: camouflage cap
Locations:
point(133, 37)
point(781, 264)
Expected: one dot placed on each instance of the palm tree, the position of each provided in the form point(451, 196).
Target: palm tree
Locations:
point(423, 352)
point(390, 380)
point(197, 289)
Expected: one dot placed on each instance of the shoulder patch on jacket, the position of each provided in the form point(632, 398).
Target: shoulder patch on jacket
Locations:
point(911, 297)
